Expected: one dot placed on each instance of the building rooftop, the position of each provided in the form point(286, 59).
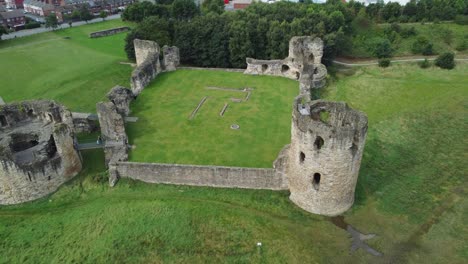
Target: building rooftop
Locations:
point(38, 4)
point(12, 14)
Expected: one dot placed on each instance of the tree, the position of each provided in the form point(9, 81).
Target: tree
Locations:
point(184, 9)
point(85, 15)
point(51, 21)
point(446, 61)
point(103, 15)
point(240, 46)
point(215, 6)
point(151, 28)
point(381, 48)
point(336, 20)
point(422, 46)
point(2, 31)
point(75, 14)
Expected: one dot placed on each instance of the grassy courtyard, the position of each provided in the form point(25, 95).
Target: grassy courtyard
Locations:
point(65, 65)
point(411, 190)
point(164, 133)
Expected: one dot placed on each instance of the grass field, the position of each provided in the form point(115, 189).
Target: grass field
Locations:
point(436, 33)
point(165, 134)
point(77, 72)
point(411, 193)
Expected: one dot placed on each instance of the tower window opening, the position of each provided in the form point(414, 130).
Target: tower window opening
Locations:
point(264, 67)
point(316, 181)
point(319, 142)
point(301, 157)
point(3, 121)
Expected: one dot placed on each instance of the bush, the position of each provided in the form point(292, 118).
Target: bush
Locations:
point(461, 20)
point(33, 24)
point(384, 63)
point(422, 46)
point(408, 32)
point(462, 46)
point(381, 48)
point(424, 64)
point(101, 177)
point(446, 61)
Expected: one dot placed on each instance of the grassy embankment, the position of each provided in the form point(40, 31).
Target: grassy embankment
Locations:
point(77, 72)
point(435, 33)
point(411, 192)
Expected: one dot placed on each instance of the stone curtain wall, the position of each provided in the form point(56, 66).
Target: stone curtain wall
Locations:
point(148, 64)
point(108, 32)
point(212, 176)
point(143, 75)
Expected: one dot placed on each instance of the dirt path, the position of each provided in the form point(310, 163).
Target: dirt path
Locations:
point(356, 62)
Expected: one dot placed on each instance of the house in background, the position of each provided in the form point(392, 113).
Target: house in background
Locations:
point(37, 7)
point(12, 19)
point(14, 4)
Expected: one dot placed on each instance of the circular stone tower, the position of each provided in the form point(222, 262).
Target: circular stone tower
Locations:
point(37, 150)
point(327, 141)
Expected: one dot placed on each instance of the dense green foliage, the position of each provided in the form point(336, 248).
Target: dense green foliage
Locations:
point(384, 62)
point(212, 38)
point(225, 39)
point(165, 134)
point(424, 64)
point(77, 71)
point(84, 13)
point(422, 46)
point(445, 61)
point(51, 21)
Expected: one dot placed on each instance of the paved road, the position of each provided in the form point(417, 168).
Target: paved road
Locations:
point(28, 32)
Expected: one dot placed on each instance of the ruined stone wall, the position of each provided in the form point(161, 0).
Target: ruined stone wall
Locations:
point(82, 123)
point(121, 97)
point(108, 32)
point(171, 58)
point(327, 142)
point(112, 132)
point(37, 150)
point(303, 63)
point(213, 176)
point(148, 64)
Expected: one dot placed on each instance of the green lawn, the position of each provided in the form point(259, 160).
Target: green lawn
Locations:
point(411, 193)
point(412, 187)
point(77, 72)
point(165, 134)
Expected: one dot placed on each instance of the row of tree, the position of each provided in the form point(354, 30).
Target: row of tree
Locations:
point(209, 37)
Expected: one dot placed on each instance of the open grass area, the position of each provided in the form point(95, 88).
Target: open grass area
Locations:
point(444, 36)
point(164, 133)
point(77, 72)
point(412, 188)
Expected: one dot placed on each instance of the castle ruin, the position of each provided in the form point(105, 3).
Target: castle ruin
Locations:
point(37, 150)
point(304, 63)
point(327, 142)
point(320, 167)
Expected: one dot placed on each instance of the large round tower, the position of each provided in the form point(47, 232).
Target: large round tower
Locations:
point(327, 141)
